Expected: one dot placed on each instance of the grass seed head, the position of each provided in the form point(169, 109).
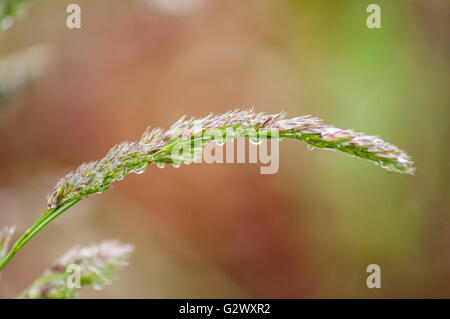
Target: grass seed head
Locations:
point(155, 146)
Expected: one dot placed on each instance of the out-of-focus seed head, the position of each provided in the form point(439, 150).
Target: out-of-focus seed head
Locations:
point(96, 264)
point(5, 238)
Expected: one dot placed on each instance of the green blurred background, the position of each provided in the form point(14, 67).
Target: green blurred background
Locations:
point(225, 230)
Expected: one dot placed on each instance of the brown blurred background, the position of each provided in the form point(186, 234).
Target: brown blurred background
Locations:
point(225, 230)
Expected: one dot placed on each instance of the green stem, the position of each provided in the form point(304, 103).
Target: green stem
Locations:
point(34, 229)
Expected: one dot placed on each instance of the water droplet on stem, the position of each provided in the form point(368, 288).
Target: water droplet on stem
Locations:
point(160, 165)
point(255, 140)
point(141, 169)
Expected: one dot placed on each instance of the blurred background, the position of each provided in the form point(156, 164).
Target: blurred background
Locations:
point(201, 231)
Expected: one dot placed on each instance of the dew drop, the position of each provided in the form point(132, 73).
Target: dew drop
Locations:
point(176, 165)
point(220, 142)
point(160, 165)
point(309, 147)
point(141, 169)
point(255, 141)
point(121, 175)
point(230, 136)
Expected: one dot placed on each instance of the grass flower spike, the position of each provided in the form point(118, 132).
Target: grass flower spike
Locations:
point(190, 135)
point(155, 147)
